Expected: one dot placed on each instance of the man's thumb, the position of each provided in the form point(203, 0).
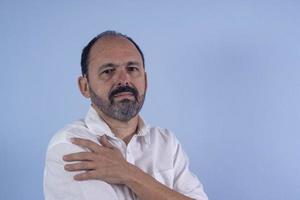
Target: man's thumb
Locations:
point(104, 141)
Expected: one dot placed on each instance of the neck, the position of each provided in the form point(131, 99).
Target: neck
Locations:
point(121, 129)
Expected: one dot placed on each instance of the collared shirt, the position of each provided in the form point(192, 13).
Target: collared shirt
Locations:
point(154, 150)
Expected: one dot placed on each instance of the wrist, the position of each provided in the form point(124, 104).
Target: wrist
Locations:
point(131, 175)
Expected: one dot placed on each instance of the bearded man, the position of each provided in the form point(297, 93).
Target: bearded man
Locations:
point(113, 153)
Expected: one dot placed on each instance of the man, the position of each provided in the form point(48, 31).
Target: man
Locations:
point(113, 153)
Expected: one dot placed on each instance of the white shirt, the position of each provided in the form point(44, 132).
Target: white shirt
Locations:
point(154, 150)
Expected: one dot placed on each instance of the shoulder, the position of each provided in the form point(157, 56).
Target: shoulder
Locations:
point(162, 133)
point(162, 136)
point(74, 129)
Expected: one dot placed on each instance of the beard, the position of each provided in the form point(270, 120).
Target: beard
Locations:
point(122, 110)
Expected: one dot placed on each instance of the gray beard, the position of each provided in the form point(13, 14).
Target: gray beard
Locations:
point(123, 110)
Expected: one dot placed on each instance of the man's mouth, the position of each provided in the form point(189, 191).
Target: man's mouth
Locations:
point(123, 95)
point(124, 92)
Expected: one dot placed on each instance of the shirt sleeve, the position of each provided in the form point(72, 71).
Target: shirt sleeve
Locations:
point(185, 181)
point(60, 185)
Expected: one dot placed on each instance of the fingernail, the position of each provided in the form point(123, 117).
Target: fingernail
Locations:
point(72, 140)
point(102, 137)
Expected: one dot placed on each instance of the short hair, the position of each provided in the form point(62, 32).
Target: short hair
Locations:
point(86, 50)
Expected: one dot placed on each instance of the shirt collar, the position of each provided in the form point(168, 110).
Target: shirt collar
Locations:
point(99, 127)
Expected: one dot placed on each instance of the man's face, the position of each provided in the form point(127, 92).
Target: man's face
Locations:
point(117, 80)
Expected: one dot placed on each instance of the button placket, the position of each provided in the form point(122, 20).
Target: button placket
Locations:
point(129, 155)
point(119, 144)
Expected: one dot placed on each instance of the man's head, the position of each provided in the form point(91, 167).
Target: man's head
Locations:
point(113, 75)
point(86, 50)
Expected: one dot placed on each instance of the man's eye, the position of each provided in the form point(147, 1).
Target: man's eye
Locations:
point(131, 69)
point(108, 71)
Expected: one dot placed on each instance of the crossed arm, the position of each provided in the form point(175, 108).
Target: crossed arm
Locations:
point(106, 163)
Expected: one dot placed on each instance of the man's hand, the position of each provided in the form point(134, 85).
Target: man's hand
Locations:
point(104, 162)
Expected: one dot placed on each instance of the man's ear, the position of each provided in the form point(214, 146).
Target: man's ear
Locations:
point(84, 86)
point(146, 81)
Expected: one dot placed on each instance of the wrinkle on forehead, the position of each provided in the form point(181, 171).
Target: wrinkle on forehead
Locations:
point(108, 45)
point(113, 49)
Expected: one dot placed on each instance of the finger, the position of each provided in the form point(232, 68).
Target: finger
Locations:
point(104, 141)
point(86, 143)
point(86, 176)
point(80, 166)
point(81, 156)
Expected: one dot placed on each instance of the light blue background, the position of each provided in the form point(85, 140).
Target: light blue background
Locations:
point(224, 76)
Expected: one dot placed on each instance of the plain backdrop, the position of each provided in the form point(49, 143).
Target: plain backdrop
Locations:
point(224, 76)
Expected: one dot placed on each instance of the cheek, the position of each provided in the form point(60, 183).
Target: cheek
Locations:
point(99, 90)
point(141, 88)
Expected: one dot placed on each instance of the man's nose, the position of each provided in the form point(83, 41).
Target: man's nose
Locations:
point(123, 78)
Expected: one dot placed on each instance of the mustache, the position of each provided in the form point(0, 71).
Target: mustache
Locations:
point(120, 89)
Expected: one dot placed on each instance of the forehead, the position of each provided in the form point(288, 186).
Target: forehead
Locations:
point(113, 49)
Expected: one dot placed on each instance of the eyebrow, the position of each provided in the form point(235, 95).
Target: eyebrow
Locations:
point(107, 65)
point(133, 63)
point(114, 65)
